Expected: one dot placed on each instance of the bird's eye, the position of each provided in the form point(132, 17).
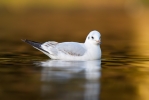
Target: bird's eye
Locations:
point(92, 37)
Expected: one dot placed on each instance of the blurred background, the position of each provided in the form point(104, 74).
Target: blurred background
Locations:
point(72, 20)
point(124, 28)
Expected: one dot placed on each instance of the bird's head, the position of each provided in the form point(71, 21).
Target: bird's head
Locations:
point(93, 37)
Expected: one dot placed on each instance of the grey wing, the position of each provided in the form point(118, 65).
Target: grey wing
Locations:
point(71, 48)
point(54, 48)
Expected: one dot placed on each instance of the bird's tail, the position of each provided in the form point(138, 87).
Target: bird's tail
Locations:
point(36, 45)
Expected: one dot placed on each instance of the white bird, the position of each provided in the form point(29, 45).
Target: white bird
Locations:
point(89, 50)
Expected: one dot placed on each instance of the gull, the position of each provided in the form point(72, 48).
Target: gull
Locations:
point(89, 50)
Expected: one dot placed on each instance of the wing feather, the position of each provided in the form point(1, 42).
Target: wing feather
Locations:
point(68, 48)
point(71, 48)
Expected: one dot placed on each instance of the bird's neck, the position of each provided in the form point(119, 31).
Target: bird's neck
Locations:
point(93, 50)
point(91, 45)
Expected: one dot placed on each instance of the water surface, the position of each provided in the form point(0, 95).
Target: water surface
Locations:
point(34, 76)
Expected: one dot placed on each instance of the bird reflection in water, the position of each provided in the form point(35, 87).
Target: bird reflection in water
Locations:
point(64, 71)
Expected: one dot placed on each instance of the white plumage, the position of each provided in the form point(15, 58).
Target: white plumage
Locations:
point(89, 50)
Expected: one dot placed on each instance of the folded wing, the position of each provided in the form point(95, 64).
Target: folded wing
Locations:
point(71, 48)
point(67, 48)
point(54, 48)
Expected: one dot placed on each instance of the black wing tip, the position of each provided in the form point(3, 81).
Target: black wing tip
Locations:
point(32, 43)
point(26, 40)
point(37, 45)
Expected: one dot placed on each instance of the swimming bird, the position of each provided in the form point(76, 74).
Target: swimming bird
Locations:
point(89, 50)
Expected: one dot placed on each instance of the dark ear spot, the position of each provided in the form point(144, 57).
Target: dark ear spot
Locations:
point(88, 37)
